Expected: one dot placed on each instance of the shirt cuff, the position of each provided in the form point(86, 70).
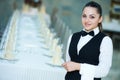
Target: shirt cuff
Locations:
point(87, 71)
point(83, 77)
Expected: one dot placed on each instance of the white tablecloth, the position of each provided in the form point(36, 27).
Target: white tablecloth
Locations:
point(30, 62)
point(30, 67)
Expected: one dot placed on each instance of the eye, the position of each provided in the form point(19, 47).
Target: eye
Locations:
point(92, 17)
point(84, 16)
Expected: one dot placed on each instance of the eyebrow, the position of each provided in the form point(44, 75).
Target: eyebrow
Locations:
point(90, 14)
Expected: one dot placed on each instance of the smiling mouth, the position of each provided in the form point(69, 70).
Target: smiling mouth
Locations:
point(87, 25)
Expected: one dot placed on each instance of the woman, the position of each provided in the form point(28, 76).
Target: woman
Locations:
point(89, 52)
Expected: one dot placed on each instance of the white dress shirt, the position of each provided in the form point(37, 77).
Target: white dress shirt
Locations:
point(88, 71)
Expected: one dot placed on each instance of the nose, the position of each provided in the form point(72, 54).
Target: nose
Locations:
point(87, 19)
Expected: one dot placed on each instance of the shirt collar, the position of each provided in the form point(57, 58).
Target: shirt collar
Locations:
point(96, 30)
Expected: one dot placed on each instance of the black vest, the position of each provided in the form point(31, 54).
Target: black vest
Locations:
point(89, 53)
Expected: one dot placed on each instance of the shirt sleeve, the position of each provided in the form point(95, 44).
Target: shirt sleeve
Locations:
point(67, 54)
point(105, 58)
point(105, 61)
point(87, 71)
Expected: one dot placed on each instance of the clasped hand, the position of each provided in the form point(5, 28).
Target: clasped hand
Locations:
point(71, 66)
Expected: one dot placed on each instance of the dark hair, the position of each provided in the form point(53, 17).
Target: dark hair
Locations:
point(33, 3)
point(99, 10)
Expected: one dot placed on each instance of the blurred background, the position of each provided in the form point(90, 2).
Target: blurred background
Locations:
point(69, 13)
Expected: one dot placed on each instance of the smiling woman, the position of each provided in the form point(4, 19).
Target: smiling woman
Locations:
point(88, 49)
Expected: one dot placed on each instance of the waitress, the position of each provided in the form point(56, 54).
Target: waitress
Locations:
point(89, 52)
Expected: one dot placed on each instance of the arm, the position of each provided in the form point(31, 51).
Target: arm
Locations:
point(67, 54)
point(105, 58)
point(105, 61)
point(69, 65)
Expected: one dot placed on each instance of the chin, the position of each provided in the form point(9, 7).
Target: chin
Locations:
point(87, 29)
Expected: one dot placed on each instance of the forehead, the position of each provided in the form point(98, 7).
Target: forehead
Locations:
point(90, 10)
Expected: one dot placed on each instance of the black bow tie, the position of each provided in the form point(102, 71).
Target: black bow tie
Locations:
point(87, 33)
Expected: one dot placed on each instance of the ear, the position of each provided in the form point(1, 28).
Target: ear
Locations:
point(100, 20)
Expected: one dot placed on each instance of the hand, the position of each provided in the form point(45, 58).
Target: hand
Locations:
point(71, 66)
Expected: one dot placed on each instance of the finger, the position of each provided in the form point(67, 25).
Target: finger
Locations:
point(63, 64)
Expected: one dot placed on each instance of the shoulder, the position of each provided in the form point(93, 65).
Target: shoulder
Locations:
point(76, 33)
point(106, 40)
point(74, 36)
point(102, 34)
point(107, 44)
point(106, 37)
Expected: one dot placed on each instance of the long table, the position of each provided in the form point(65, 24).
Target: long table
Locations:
point(30, 61)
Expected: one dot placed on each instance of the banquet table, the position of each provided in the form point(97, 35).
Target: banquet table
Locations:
point(31, 61)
